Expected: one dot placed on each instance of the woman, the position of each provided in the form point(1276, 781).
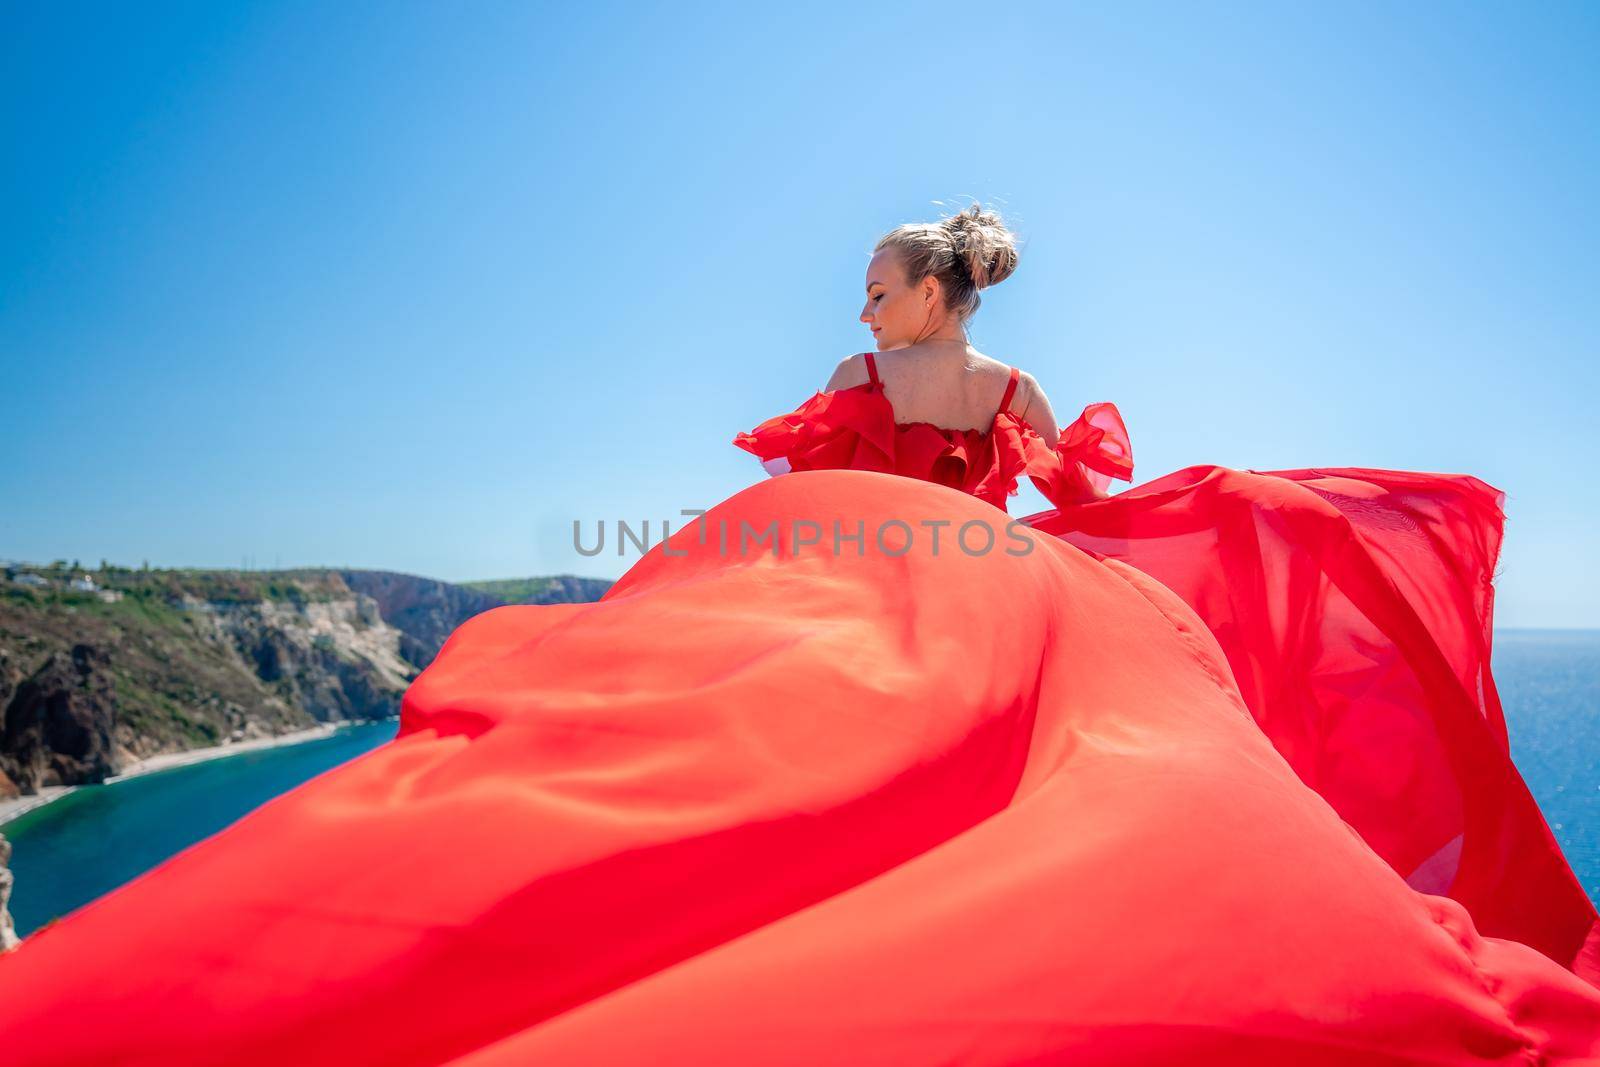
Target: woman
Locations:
point(928, 404)
point(853, 799)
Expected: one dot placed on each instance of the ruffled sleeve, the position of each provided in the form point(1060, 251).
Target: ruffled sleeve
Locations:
point(840, 429)
point(1089, 454)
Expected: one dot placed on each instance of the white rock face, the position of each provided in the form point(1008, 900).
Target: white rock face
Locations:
point(8, 932)
point(354, 628)
point(330, 635)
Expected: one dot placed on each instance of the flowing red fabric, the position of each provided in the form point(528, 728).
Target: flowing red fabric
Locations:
point(825, 780)
point(1354, 607)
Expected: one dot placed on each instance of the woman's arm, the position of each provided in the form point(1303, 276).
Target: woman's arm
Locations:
point(1033, 407)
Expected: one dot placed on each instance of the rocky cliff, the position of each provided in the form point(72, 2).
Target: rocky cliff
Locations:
point(424, 610)
point(99, 669)
point(143, 662)
point(427, 611)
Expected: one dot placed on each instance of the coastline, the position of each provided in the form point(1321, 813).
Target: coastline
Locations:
point(14, 807)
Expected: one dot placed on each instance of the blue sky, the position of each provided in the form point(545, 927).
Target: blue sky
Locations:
point(414, 286)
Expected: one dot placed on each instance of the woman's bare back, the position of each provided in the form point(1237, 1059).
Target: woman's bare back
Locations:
point(952, 386)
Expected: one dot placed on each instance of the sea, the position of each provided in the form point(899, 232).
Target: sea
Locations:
point(74, 849)
point(93, 839)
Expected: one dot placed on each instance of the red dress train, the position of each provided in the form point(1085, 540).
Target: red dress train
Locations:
point(807, 785)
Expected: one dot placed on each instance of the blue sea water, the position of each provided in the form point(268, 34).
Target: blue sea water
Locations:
point(94, 839)
point(1549, 683)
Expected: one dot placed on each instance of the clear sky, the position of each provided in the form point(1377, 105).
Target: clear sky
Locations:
point(414, 286)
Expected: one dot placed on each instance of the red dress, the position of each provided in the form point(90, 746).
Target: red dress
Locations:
point(858, 800)
point(855, 428)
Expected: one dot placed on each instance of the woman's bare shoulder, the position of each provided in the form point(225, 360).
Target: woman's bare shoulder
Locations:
point(987, 367)
point(851, 371)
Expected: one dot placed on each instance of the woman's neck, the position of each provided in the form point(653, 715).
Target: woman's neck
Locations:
point(944, 346)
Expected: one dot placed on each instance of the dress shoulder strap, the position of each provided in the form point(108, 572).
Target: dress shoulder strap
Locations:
point(1011, 389)
point(872, 370)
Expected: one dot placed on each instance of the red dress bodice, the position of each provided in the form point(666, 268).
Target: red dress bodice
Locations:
point(855, 428)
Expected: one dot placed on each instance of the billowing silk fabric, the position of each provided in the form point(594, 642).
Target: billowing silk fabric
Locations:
point(1355, 610)
point(877, 803)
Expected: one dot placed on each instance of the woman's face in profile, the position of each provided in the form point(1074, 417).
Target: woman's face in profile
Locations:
point(895, 311)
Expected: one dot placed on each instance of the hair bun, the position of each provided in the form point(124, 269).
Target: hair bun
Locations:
point(982, 245)
point(966, 252)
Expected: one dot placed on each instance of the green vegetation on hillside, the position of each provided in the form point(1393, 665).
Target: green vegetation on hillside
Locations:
point(555, 589)
point(175, 686)
point(218, 586)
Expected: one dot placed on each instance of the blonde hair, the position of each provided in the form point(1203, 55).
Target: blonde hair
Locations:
point(968, 251)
